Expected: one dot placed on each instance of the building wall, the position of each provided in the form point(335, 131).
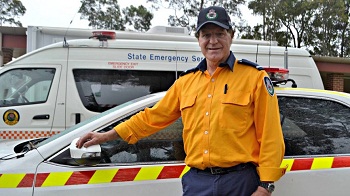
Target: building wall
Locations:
point(334, 81)
point(7, 54)
point(335, 72)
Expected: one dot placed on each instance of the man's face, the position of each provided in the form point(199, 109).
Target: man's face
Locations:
point(215, 43)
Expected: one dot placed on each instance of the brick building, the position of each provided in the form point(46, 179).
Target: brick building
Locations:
point(335, 72)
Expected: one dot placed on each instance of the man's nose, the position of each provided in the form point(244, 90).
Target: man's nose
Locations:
point(213, 39)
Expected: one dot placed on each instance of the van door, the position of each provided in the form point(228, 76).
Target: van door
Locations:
point(28, 98)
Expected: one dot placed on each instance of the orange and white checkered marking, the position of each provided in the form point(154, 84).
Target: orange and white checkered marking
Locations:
point(25, 134)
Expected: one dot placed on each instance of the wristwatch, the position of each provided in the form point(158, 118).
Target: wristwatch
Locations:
point(270, 187)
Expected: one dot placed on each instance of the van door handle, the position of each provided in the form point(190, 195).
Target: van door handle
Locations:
point(41, 117)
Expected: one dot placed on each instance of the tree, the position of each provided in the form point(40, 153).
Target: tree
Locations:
point(321, 26)
point(139, 17)
point(328, 25)
point(10, 9)
point(296, 16)
point(343, 28)
point(267, 9)
point(102, 14)
point(186, 12)
point(246, 32)
point(106, 14)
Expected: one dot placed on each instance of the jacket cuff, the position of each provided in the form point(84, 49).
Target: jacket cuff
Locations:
point(125, 134)
point(270, 174)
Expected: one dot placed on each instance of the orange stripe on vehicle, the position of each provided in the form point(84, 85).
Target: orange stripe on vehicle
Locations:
point(26, 134)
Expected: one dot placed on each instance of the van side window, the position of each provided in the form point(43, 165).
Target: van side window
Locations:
point(25, 86)
point(314, 126)
point(165, 145)
point(100, 90)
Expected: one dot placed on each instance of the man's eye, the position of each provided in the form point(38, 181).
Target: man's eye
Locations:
point(220, 35)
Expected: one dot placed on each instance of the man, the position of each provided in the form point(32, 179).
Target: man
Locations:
point(232, 134)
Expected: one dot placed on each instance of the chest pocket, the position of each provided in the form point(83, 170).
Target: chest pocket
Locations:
point(188, 111)
point(187, 102)
point(236, 98)
point(236, 106)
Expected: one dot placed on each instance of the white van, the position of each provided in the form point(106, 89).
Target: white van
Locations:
point(57, 86)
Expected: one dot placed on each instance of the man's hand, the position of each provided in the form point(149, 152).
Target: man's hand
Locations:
point(261, 191)
point(94, 138)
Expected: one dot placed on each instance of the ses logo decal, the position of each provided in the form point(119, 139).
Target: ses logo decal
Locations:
point(11, 117)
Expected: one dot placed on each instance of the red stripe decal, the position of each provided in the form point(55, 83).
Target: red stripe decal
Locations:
point(27, 181)
point(40, 178)
point(171, 172)
point(81, 177)
point(125, 175)
point(302, 164)
point(341, 162)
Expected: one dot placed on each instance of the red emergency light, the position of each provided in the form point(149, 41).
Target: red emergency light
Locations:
point(104, 34)
point(277, 74)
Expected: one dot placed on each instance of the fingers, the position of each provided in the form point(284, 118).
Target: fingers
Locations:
point(85, 141)
point(94, 138)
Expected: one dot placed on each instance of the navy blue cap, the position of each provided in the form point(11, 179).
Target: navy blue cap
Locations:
point(215, 15)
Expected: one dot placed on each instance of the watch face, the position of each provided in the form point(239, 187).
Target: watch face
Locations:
point(268, 186)
point(271, 187)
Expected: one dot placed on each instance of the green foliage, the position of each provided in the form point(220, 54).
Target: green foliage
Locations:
point(102, 14)
point(10, 10)
point(139, 17)
point(186, 11)
point(106, 14)
point(320, 26)
point(328, 27)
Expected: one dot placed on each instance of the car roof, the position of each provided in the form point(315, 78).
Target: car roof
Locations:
point(340, 97)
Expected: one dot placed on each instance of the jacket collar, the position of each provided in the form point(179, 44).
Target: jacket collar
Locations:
point(229, 62)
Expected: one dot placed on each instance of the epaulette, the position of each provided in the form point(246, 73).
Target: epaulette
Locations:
point(252, 64)
point(192, 70)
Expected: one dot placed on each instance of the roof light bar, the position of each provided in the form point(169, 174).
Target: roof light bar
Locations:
point(103, 35)
point(279, 76)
